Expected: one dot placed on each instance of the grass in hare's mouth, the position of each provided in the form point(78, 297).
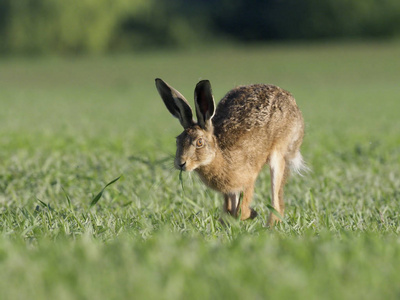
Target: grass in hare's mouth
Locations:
point(67, 127)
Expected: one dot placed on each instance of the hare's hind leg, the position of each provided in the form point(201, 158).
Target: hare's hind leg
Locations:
point(279, 173)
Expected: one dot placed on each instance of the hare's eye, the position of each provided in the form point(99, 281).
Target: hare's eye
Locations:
point(199, 143)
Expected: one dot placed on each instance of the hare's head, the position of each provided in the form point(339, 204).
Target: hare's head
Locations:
point(196, 145)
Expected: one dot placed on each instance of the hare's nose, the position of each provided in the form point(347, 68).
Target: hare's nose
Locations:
point(182, 165)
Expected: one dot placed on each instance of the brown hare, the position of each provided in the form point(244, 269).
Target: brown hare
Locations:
point(252, 125)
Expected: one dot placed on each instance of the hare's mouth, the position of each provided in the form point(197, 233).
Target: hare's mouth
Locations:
point(184, 166)
point(181, 166)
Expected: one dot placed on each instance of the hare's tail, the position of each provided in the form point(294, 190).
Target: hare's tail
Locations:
point(298, 165)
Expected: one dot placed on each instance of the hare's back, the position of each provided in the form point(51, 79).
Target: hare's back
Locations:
point(247, 107)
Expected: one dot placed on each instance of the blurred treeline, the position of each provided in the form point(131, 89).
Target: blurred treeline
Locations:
point(101, 26)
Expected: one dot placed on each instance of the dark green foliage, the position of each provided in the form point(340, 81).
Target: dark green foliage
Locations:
point(57, 26)
point(310, 19)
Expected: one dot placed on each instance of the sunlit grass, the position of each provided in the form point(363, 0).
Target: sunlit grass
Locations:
point(68, 127)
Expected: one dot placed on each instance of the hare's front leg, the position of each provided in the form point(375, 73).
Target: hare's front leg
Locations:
point(279, 174)
point(231, 204)
point(247, 212)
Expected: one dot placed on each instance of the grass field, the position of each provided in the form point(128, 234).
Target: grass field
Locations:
point(70, 126)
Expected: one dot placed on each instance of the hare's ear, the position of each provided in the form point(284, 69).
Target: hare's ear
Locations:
point(175, 103)
point(205, 106)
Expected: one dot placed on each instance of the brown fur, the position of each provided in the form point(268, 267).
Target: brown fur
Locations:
point(253, 125)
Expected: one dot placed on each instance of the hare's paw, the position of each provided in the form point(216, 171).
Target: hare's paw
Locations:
point(273, 220)
point(253, 213)
point(248, 213)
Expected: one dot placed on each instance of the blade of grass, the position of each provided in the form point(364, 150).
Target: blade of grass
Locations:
point(67, 197)
point(275, 212)
point(98, 196)
point(42, 203)
point(47, 205)
point(183, 193)
point(181, 180)
point(192, 202)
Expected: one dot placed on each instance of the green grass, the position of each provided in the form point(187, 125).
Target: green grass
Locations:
point(70, 126)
